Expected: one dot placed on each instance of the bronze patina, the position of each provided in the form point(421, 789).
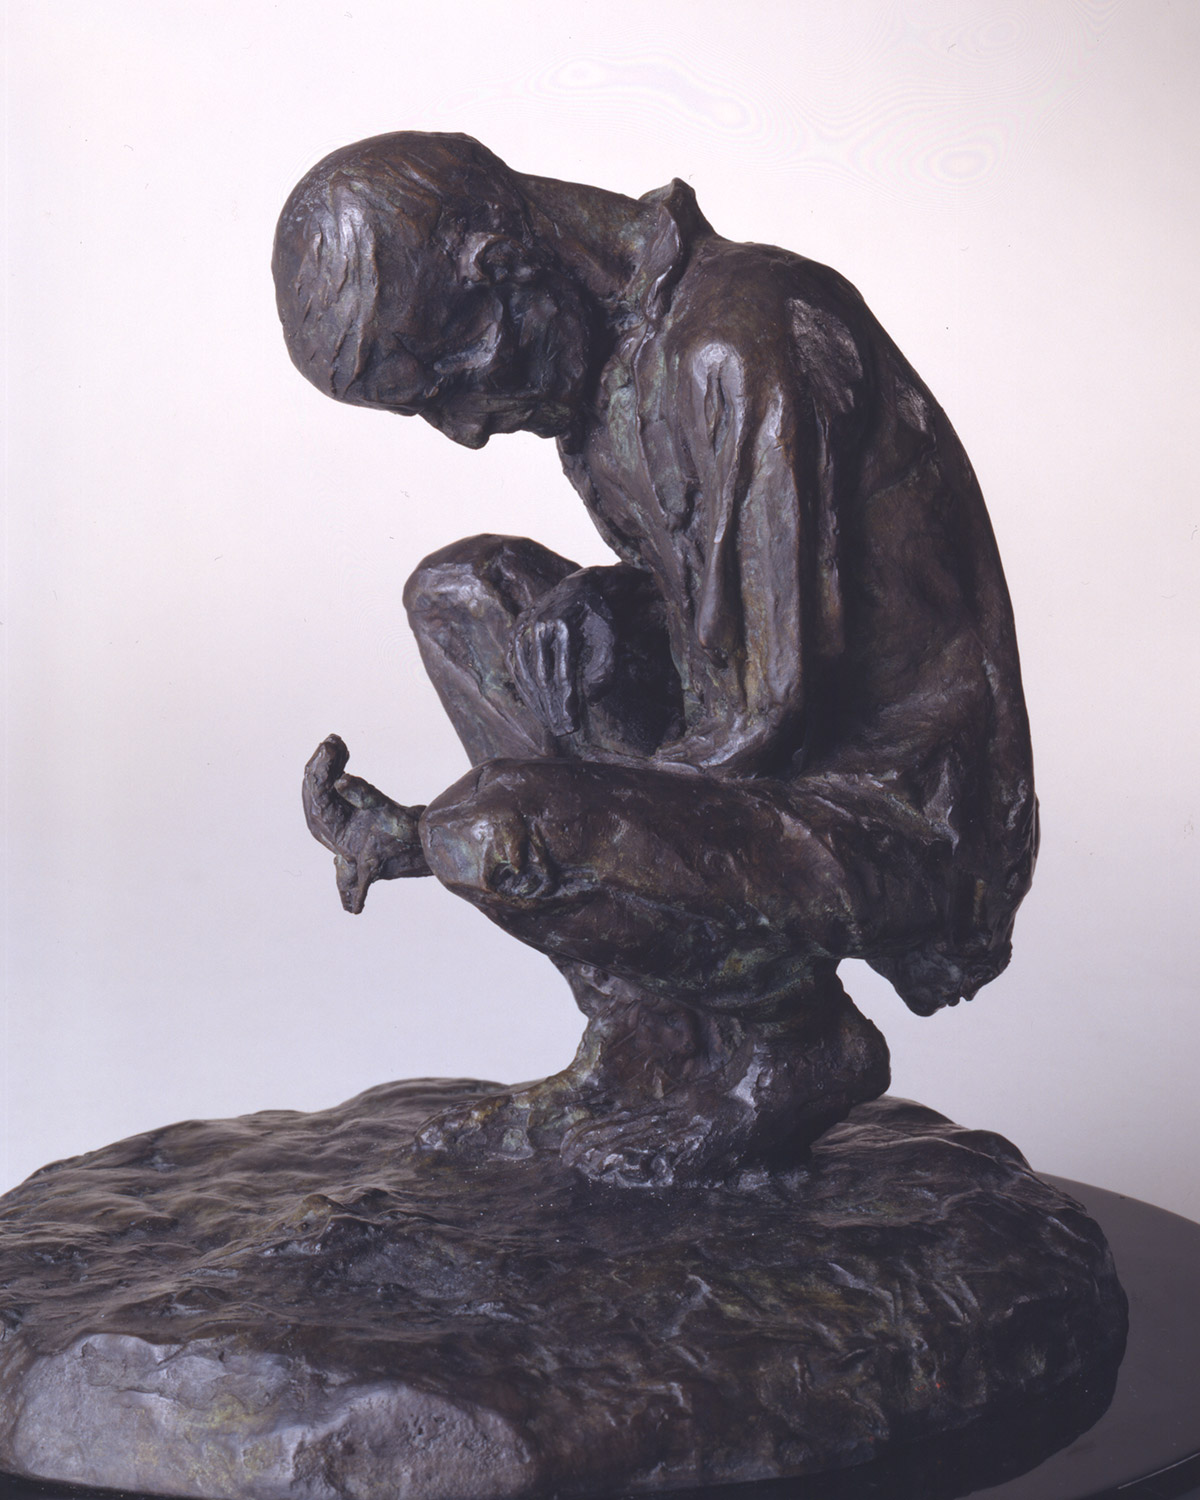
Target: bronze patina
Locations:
point(784, 728)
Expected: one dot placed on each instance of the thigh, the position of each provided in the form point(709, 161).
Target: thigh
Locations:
point(533, 657)
point(687, 880)
point(463, 603)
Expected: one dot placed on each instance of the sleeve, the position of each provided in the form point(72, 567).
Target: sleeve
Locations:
point(756, 587)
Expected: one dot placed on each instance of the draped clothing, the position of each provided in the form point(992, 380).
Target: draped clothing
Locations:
point(837, 613)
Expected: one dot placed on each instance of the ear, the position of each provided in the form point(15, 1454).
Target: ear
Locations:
point(486, 256)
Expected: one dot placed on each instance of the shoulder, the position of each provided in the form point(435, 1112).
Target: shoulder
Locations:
point(771, 319)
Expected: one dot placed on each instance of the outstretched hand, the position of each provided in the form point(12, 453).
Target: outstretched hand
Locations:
point(370, 836)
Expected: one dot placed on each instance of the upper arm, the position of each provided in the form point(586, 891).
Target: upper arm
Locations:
point(749, 552)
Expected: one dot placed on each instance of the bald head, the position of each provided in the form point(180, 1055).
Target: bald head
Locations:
point(369, 216)
point(408, 276)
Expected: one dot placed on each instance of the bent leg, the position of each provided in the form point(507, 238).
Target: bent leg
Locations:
point(534, 658)
point(699, 923)
point(720, 892)
point(463, 603)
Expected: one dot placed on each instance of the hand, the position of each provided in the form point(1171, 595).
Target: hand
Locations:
point(370, 836)
point(564, 651)
point(736, 748)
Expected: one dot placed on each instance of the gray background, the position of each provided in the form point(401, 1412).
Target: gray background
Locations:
point(205, 557)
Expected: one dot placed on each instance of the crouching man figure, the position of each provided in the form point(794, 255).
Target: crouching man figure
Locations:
point(785, 728)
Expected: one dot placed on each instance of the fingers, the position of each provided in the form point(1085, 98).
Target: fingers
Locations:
point(544, 665)
point(329, 759)
point(352, 886)
point(325, 812)
point(359, 793)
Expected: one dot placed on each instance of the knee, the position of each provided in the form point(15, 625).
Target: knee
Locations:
point(481, 843)
point(513, 569)
point(449, 574)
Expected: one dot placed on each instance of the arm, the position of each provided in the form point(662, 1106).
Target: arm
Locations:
point(744, 457)
point(592, 659)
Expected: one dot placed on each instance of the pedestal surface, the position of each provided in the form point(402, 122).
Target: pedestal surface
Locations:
point(301, 1305)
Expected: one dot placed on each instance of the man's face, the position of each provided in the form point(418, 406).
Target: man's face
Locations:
point(474, 357)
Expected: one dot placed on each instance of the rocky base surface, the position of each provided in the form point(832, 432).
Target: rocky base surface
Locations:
point(309, 1306)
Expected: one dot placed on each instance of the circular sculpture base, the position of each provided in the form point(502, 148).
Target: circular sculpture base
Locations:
point(306, 1306)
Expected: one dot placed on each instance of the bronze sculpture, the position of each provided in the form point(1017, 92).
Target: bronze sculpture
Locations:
point(785, 729)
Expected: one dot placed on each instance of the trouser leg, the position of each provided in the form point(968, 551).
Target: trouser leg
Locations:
point(463, 603)
point(723, 891)
point(699, 923)
point(534, 658)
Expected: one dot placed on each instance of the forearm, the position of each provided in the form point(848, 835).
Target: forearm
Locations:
point(740, 743)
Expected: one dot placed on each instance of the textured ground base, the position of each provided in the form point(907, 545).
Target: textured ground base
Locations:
point(297, 1305)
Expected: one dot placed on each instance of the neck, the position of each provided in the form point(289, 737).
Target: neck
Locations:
point(600, 236)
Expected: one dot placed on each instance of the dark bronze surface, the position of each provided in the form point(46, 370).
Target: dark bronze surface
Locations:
point(1145, 1446)
point(785, 729)
point(309, 1305)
